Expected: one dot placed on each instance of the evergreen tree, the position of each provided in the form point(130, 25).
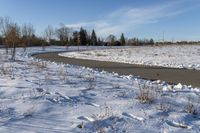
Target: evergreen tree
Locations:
point(151, 41)
point(122, 39)
point(83, 36)
point(93, 38)
point(99, 42)
point(89, 41)
point(75, 38)
point(1, 40)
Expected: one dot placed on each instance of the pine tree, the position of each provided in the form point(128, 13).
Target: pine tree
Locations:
point(151, 41)
point(83, 36)
point(89, 41)
point(122, 39)
point(99, 42)
point(1, 40)
point(75, 38)
point(93, 38)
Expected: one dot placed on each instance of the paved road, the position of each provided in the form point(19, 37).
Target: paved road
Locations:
point(170, 75)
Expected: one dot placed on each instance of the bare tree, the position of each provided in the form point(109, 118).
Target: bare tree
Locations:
point(13, 38)
point(49, 33)
point(111, 39)
point(43, 38)
point(63, 33)
point(27, 33)
point(5, 23)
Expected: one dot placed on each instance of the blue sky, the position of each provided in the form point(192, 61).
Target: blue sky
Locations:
point(178, 19)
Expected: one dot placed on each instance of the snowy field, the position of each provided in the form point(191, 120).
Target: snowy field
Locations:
point(45, 97)
point(180, 56)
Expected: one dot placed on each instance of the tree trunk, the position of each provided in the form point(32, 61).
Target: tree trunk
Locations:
point(13, 52)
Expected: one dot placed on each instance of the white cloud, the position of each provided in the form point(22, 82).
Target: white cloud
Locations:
point(127, 19)
point(78, 25)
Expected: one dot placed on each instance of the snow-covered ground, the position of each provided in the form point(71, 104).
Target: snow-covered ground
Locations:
point(180, 56)
point(44, 97)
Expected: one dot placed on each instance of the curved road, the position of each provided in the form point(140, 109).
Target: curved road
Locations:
point(170, 75)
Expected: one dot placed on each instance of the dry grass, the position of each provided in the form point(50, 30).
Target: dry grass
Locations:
point(39, 64)
point(62, 73)
point(92, 83)
point(7, 70)
point(91, 79)
point(146, 93)
point(191, 107)
point(106, 112)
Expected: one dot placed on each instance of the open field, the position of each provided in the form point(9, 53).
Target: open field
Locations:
point(174, 56)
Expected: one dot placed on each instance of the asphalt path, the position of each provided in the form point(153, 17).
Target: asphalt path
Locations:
point(170, 75)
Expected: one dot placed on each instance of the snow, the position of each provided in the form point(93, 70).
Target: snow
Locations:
point(175, 56)
point(39, 96)
point(133, 116)
point(177, 124)
point(178, 86)
point(85, 118)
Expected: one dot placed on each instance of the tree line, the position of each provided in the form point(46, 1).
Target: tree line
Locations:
point(13, 35)
point(24, 35)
